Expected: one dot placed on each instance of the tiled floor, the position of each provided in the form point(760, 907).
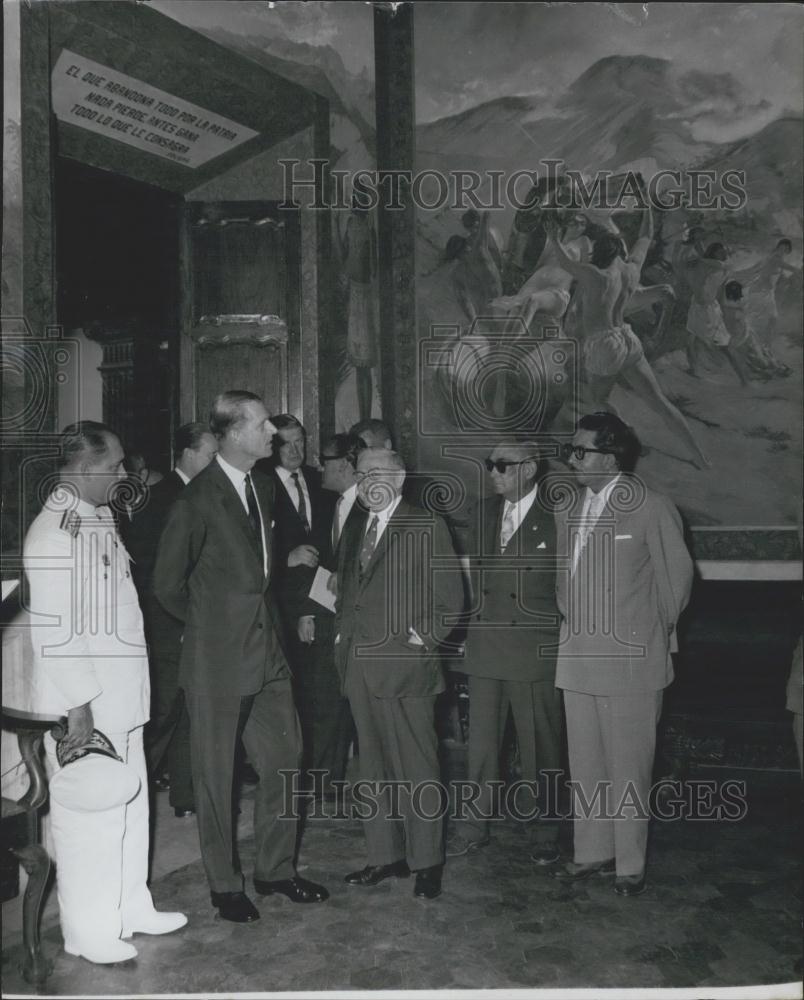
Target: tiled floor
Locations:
point(723, 908)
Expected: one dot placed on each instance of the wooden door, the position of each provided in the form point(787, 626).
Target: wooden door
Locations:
point(241, 288)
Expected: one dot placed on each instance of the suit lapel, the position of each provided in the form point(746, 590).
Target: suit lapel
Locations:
point(237, 512)
point(492, 525)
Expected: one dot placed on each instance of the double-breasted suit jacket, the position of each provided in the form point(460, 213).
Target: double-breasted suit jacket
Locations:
point(512, 626)
point(510, 658)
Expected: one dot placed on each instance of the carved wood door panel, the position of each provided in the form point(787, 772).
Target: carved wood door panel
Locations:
point(241, 284)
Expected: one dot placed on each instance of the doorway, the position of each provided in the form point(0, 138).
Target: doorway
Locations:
point(117, 279)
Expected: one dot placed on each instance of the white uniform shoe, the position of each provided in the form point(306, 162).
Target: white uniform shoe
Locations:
point(102, 953)
point(155, 923)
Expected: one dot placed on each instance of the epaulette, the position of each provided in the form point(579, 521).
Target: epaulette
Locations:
point(70, 521)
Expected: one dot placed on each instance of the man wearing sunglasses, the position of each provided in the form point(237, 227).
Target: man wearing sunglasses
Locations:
point(511, 644)
point(627, 580)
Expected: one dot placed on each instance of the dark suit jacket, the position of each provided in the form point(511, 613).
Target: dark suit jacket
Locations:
point(512, 625)
point(413, 581)
point(141, 533)
point(293, 585)
point(328, 556)
point(209, 575)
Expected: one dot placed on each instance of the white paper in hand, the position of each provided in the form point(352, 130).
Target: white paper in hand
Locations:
point(320, 592)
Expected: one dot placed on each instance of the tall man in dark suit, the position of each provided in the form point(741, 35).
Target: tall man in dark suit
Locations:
point(303, 517)
point(167, 735)
point(511, 645)
point(398, 584)
point(213, 571)
point(330, 724)
point(628, 581)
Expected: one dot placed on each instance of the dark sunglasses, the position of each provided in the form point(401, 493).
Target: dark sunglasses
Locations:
point(329, 458)
point(580, 451)
point(502, 466)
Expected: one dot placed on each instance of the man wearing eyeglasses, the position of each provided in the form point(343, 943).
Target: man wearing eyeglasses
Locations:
point(399, 583)
point(510, 646)
point(627, 580)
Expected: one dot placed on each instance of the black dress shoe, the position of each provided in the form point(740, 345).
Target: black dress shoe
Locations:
point(298, 890)
point(630, 885)
point(235, 906)
point(428, 882)
point(372, 874)
point(573, 872)
point(183, 813)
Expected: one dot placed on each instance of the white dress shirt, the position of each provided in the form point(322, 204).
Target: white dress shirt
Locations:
point(238, 479)
point(519, 510)
point(343, 507)
point(293, 493)
point(383, 517)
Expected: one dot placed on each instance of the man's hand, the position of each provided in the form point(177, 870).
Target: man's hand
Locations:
point(79, 726)
point(306, 629)
point(332, 584)
point(303, 555)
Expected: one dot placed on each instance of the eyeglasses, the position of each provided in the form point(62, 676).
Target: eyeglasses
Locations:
point(502, 466)
point(373, 473)
point(581, 451)
point(329, 458)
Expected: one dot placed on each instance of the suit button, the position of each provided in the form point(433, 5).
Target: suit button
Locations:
point(514, 596)
point(485, 591)
point(259, 625)
point(478, 617)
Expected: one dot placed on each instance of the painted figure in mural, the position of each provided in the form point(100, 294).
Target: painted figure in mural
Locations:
point(743, 341)
point(610, 348)
point(705, 324)
point(475, 276)
point(471, 222)
point(360, 268)
point(761, 307)
point(526, 241)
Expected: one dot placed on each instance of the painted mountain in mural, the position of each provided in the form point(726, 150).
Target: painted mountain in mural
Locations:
point(623, 113)
point(643, 114)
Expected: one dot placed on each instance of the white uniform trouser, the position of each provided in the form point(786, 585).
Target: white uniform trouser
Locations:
point(102, 857)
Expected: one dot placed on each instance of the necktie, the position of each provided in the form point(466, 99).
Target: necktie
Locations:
point(302, 507)
point(254, 514)
point(588, 521)
point(336, 523)
point(507, 525)
point(369, 541)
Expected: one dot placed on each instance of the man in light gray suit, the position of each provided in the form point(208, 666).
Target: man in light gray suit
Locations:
point(628, 579)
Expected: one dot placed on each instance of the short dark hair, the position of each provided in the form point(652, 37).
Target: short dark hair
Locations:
point(85, 437)
point(189, 436)
point(284, 420)
point(606, 249)
point(615, 436)
point(733, 291)
point(227, 410)
point(345, 446)
point(784, 242)
point(374, 426)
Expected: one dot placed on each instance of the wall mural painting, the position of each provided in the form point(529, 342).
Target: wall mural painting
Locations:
point(666, 139)
point(664, 136)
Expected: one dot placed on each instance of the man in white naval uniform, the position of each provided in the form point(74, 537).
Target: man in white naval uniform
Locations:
point(90, 664)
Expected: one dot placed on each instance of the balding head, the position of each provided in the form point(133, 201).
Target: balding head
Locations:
point(380, 475)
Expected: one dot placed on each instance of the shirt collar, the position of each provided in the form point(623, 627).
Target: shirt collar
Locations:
point(603, 494)
point(384, 516)
point(520, 508)
point(182, 475)
point(285, 474)
point(237, 476)
point(349, 496)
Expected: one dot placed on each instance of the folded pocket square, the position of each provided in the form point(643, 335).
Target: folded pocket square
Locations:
point(618, 537)
point(542, 545)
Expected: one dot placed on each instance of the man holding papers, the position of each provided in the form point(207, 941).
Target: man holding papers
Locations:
point(329, 721)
